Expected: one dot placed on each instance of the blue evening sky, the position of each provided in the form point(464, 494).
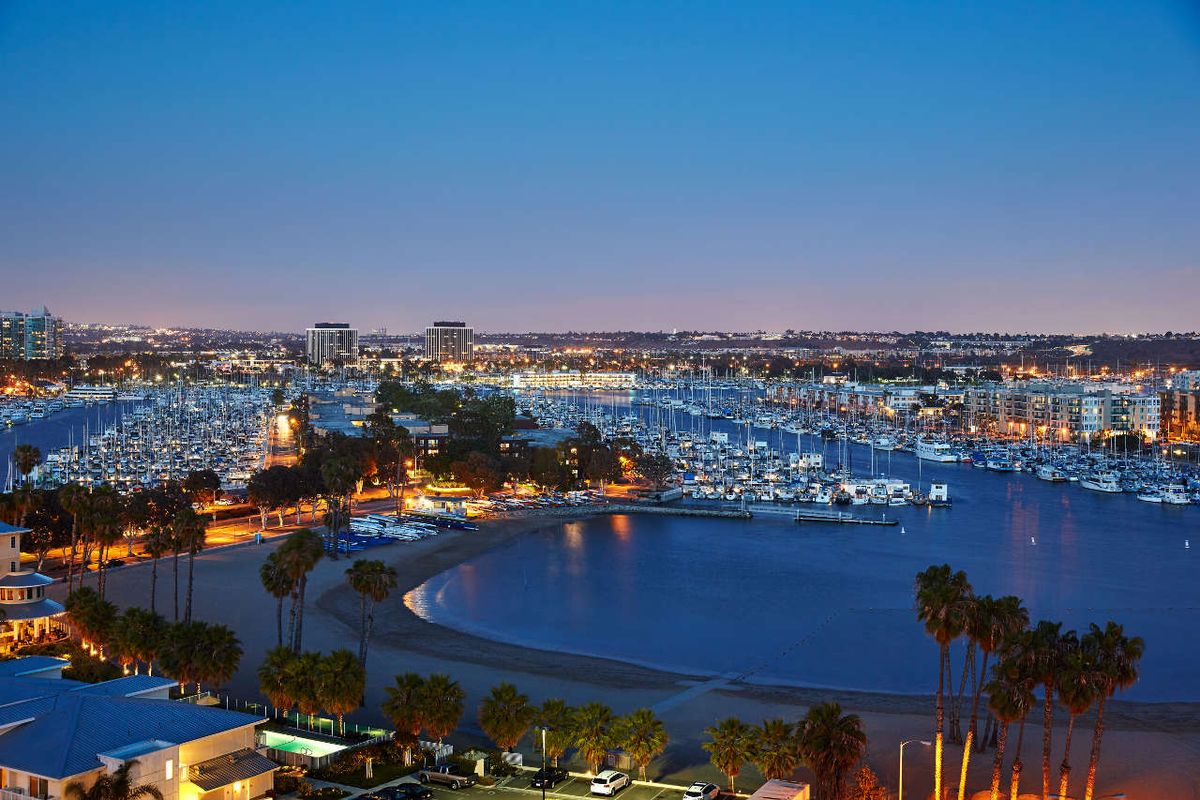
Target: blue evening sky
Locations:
point(593, 165)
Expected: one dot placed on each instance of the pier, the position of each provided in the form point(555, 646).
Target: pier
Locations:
point(833, 517)
point(676, 511)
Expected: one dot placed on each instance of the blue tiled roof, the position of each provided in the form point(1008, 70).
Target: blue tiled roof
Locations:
point(35, 610)
point(125, 686)
point(5, 528)
point(28, 665)
point(70, 729)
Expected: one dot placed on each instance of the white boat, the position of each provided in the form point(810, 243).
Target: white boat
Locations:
point(931, 450)
point(1102, 482)
point(1176, 495)
point(1052, 474)
point(1150, 496)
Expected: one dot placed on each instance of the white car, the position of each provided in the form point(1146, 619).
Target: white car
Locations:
point(701, 791)
point(609, 782)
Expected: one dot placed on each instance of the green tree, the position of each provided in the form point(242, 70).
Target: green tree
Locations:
point(1117, 658)
point(775, 752)
point(941, 596)
point(189, 532)
point(643, 736)
point(1078, 686)
point(1048, 645)
point(116, 785)
point(505, 715)
point(373, 580)
point(730, 745)
point(279, 584)
point(866, 786)
point(591, 732)
point(274, 677)
point(1009, 700)
point(402, 705)
point(656, 468)
point(831, 743)
point(343, 681)
point(297, 557)
point(555, 716)
point(442, 703)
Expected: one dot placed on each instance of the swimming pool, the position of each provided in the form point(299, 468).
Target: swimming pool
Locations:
point(291, 743)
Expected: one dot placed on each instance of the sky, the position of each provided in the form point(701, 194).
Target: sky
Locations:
point(1009, 166)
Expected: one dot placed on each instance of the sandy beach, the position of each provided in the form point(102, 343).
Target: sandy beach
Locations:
point(1149, 749)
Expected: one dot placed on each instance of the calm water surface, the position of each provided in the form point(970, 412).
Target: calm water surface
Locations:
point(820, 605)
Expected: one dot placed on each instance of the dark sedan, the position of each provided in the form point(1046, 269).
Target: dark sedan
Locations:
point(548, 777)
point(405, 791)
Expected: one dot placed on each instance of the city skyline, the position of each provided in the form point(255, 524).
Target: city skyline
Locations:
point(695, 167)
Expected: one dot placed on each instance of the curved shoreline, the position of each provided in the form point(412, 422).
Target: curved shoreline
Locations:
point(402, 629)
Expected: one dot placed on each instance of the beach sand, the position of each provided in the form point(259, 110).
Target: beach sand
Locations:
point(1150, 750)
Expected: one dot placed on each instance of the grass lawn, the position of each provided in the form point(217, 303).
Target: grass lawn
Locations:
point(383, 773)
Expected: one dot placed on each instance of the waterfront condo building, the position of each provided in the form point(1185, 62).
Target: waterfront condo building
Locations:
point(27, 616)
point(449, 342)
point(31, 336)
point(1062, 411)
point(55, 732)
point(333, 343)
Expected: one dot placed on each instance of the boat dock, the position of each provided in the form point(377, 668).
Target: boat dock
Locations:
point(833, 517)
point(676, 511)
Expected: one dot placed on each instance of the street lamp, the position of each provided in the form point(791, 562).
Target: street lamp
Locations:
point(923, 743)
point(544, 773)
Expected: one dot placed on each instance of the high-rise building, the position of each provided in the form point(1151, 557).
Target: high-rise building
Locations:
point(31, 336)
point(331, 343)
point(450, 341)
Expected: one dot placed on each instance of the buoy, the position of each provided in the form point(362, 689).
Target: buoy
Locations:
point(902, 529)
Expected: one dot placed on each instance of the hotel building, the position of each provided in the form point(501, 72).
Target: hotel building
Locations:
point(331, 343)
point(450, 342)
point(55, 732)
point(32, 336)
point(1062, 411)
point(26, 614)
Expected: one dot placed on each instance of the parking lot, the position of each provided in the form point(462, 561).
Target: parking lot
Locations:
point(518, 786)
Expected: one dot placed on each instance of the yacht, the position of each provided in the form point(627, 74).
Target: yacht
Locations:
point(1176, 495)
point(1050, 473)
point(1000, 463)
point(1102, 482)
point(930, 450)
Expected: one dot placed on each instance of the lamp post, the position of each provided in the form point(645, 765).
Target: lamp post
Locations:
point(923, 743)
point(544, 774)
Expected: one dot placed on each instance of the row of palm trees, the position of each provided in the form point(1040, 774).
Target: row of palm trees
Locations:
point(1080, 671)
point(434, 705)
point(190, 651)
point(826, 741)
point(311, 682)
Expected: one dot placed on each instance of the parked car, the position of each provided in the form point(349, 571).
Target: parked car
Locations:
point(405, 791)
point(114, 563)
point(702, 791)
point(609, 782)
point(548, 777)
point(445, 778)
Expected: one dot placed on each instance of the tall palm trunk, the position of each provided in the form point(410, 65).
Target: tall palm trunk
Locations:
point(279, 621)
point(154, 586)
point(71, 557)
point(175, 566)
point(998, 760)
point(1014, 783)
point(957, 700)
point(1047, 728)
point(974, 722)
point(187, 613)
point(1095, 757)
point(297, 642)
point(943, 654)
point(971, 725)
point(370, 628)
point(292, 619)
point(1064, 770)
point(362, 628)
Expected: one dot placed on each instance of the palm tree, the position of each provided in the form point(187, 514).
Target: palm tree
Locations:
point(219, 652)
point(340, 475)
point(505, 715)
point(304, 683)
point(1018, 666)
point(138, 636)
point(831, 744)
point(1116, 657)
point(730, 745)
point(190, 531)
point(442, 703)
point(941, 602)
point(298, 556)
point(342, 680)
point(402, 706)
point(273, 677)
point(91, 615)
point(1047, 658)
point(113, 786)
point(643, 736)
point(1009, 699)
point(775, 752)
point(71, 497)
point(990, 622)
point(1077, 683)
point(26, 457)
point(555, 716)
point(374, 581)
point(279, 584)
point(158, 543)
point(591, 732)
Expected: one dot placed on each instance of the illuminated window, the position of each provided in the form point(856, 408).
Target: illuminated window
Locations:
point(170, 770)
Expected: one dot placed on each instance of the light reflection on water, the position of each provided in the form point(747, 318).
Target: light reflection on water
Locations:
point(832, 605)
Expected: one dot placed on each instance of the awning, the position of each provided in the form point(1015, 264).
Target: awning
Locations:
point(223, 770)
